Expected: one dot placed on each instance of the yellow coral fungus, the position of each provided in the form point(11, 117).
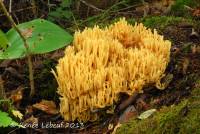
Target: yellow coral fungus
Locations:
point(102, 63)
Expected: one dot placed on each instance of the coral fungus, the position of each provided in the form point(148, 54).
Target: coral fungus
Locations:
point(102, 63)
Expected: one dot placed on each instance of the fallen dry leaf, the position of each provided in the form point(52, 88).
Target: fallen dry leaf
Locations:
point(155, 7)
point(5, 63)
point(31, 120)
point(46, 106)
point(195, 49)
point(57, 54)
point(186, 62)
point(130, 112)
point(14, 73)
point(17, 95)
point(196, 12)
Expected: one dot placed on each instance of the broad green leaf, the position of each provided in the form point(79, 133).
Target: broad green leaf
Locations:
point(3, 40)
point(42, 37)
point(6, 121)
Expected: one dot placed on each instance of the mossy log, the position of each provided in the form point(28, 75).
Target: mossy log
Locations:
point(182, 118)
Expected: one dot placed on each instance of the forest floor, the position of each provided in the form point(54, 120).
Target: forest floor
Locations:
point(174, 103)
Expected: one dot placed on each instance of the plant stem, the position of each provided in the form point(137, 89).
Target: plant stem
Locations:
point(30, 65)
point(2, 90)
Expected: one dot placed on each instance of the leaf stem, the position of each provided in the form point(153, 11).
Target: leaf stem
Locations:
point(30, 64)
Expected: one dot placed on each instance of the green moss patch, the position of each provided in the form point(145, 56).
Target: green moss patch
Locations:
point(179, 8)
point(182, 118)
point(161, 22)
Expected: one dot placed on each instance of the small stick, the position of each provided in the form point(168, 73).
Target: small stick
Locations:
point(10, 6)
point(128, 101)
point(92, 6)
point(2, 90)
point(30, 64)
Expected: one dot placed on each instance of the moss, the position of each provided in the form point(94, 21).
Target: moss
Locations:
point(157, 22)
point(191, 123)
point(161, 22)
point(182, 118)
point(179, 7)
point(162, 122)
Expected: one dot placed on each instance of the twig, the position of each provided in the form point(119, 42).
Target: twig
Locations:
point(188, 8)
point(19, 10)
point(30, 65)
point(127, 102)
point(10, 6)
point(75, 22)
point(34, 10)
point(15, 16)
point(126, 8)
point(103, 14)
point(2, 90)
point(92, 6)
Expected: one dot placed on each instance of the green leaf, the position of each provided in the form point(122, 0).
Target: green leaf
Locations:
point(42, 36)
point(6, 121)
point(3, 40)
point(67, 14)
point(66, 3)
point(56, 14)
